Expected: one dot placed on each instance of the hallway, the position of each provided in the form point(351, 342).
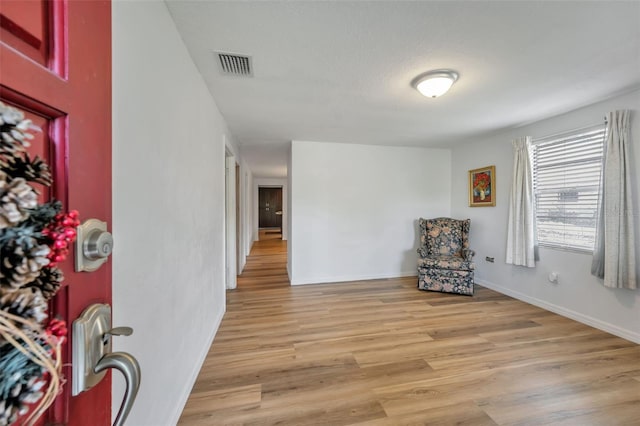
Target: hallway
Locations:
point(266, 266)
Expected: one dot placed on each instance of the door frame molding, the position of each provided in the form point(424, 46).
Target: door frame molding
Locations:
point(230, 253)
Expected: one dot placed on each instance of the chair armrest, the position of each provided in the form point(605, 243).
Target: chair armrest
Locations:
point(422, 251)
point(467, 254)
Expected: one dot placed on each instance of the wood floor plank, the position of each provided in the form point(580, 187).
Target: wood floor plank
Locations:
point(467, 414)
point(242, 396)
point(574, 401)
point(381, 352)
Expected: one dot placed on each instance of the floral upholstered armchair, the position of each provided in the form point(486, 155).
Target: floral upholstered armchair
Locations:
point(445, 261)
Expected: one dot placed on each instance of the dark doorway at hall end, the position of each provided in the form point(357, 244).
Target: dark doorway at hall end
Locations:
point(270, 213)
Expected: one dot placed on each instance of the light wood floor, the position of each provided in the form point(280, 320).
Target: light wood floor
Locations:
point(383, 353)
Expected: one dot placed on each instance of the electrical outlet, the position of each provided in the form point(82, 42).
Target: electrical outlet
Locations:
point(489, 259)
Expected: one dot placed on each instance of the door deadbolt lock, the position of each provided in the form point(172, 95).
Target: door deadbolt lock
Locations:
point(94, 245)
point(98, 245)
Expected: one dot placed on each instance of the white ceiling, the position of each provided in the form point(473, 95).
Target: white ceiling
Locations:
point(341, 71)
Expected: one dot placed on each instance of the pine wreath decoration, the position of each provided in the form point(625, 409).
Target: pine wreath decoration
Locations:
point(34, 239)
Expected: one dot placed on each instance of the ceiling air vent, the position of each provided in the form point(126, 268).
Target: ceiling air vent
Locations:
point(231, 64)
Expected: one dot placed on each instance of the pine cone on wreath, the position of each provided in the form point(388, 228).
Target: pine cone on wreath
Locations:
point(22, 265)
point(35, 170)
point(7, 415)
point(48, 282)
point(13, 131)
point(26, 303)
point(16, 196)
point(21, 384)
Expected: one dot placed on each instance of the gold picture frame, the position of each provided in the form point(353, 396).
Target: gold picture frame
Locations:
point(482, 187)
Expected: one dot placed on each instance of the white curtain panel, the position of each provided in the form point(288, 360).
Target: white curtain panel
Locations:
point(521, 227)
point(614, 257)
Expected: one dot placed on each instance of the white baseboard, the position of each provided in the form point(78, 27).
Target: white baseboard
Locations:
point(186, 391)
point(345, 278)
point(585, 319)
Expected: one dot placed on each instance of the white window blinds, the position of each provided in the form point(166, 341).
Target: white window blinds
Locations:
point(566, 181)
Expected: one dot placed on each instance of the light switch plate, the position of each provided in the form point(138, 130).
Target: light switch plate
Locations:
point(90, 344)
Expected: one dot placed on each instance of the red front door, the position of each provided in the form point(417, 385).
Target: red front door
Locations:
point(55, 64)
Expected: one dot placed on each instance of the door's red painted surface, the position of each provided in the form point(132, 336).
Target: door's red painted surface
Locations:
point(55, 64)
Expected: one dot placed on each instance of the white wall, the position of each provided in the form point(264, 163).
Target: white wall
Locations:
point(168, 210)
point(257, 183)
point(578, 294)
point(355, 208)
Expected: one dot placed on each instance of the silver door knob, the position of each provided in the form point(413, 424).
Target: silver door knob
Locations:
point(98, 245)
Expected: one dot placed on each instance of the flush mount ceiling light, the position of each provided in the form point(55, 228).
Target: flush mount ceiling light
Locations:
point(435, 83)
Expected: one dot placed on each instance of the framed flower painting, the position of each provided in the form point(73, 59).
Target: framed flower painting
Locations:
point(482, 187)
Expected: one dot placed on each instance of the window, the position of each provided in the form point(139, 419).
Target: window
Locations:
point(566, 182)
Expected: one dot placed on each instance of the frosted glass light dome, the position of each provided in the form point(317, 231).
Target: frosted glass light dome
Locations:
point(435, 83)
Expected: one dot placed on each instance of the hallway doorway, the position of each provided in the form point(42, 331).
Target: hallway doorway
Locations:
point(270, 212)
